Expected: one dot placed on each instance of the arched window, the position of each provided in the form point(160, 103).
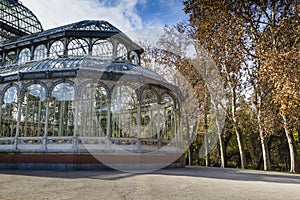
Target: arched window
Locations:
point(56, 49)
point(103, 49)
point(149, 115)
point(121, 52)
point(124, 112)
point(61, 110)
point(24, 56)
point(168, 117)
point(78, 47)
point(9, 113)
point(93, 111)
point(33, 112)
point(40, 52)
point(134, 58)
point(11, 58)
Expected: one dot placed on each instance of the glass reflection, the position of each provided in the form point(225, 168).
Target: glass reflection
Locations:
point(124, 112)
point(149, 110)
point(56, 49)
point(61, 110)
point(9, 113)
point(134, 58)
point(40, 52)
point(11, 58)
point(33, 112)
point(121, 52)
point(24, 56)
point(93, 111)
point(103, 49)
point(168, 117)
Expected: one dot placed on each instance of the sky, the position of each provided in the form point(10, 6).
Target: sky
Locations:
point(126, 15)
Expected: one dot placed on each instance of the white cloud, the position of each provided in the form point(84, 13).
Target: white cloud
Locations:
point(53, 13)
point(151, 35)
point(120, 13)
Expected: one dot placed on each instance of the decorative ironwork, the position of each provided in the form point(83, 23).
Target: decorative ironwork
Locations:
point(61, 89)
point(16, 20)
point(78, 47)
point(103, 49)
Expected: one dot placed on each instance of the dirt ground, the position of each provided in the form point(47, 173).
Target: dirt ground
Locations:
point(185, 183)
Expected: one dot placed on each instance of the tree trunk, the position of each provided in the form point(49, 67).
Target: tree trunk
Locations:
point(221, 152)
point(207, 155)
point(190, 135)
point(188, 140)
point(190, 155)
point(264, 144)
point(218, 118)
point(292, 146)
point(219, 132)
point(265, 152)
point(241, 146)
point(207, 150)
point(238, 134)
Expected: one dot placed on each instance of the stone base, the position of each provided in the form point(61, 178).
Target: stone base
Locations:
point(86, 161)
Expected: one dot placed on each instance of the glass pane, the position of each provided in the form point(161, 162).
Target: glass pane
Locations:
point(124, 112)
point(103, 49)
point(134, 58)
point(149, 110)
point(93, 111)
point(63, 92)
point(9, 113)
point(11, 58)
point(61, 111)
point(33, 112)
point(78, 47)
point(24, 56)
point(168, 118)
point(40, 52)
point(14, 14)
point(121, 52)
point(56, 49)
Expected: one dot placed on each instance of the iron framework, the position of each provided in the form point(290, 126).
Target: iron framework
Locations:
point(16, 20)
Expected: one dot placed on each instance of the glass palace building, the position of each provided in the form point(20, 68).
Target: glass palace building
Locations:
point(76, 91)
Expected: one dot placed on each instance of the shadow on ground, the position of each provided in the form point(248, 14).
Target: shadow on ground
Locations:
point(234, 174)
point(196, 172)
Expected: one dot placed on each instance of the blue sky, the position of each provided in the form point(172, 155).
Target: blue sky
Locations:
point(162, 11)
point(127, 15)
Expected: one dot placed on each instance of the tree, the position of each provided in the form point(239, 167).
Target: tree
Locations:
point(260, 21)
point(220, 32)
point(280, 66)
point(197, 72)
point(242, 35)
point(281, 70)
point(167, 57)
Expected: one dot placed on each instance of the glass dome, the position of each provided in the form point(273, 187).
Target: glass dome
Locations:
point(17, 20)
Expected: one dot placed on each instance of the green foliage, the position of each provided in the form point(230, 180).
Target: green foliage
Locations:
point(195, 146)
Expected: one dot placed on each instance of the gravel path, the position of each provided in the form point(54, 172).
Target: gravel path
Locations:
point(185, 183)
